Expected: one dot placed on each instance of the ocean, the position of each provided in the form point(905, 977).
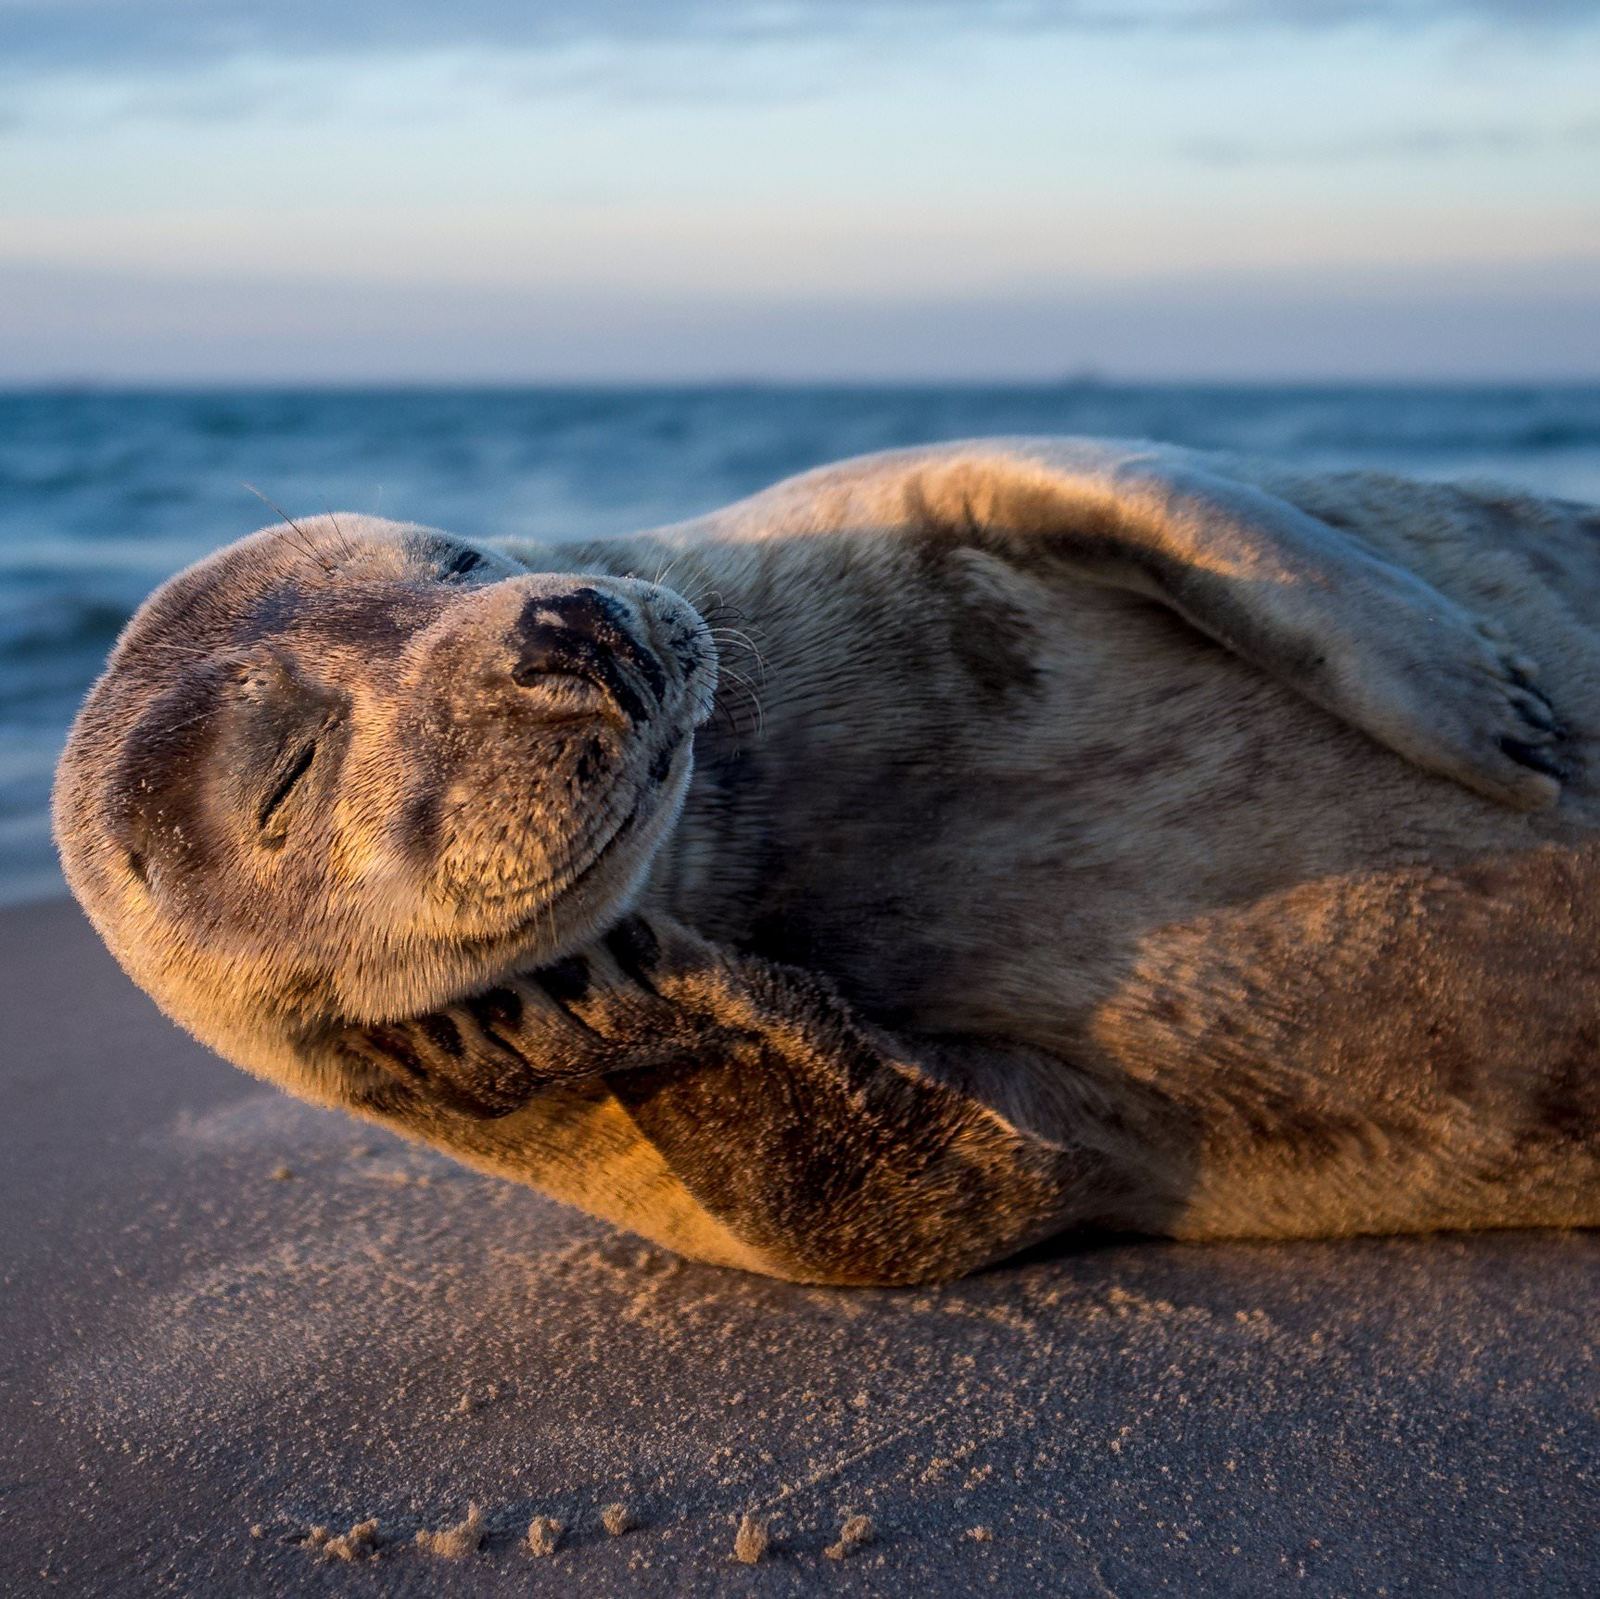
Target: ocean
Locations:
point(105, 493)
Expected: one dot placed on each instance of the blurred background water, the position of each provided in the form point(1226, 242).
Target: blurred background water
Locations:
point(103, 494)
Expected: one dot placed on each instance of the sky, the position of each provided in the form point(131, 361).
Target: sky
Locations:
point(668, 190)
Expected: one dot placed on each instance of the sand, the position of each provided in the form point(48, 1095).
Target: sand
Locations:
point(752, 1540)
point(360, 1543)
point(544, 1535)
point(195, 1350)
point(455, 1542)
point(856, 1531)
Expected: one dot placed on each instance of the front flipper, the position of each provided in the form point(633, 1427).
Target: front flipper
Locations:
point(831, 1152)
point(1364, 638)
point(486, 1056)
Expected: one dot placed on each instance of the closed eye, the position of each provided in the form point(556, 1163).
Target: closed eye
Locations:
point(284, 787)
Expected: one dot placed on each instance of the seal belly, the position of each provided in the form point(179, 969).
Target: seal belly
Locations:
point(1393, 1051)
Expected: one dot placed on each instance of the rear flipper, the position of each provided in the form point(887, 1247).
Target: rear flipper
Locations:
point(832, 1152)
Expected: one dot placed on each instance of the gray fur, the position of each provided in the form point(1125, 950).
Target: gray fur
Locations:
point(1079, 835)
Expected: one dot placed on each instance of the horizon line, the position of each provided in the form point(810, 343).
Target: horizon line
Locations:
point(1087, 380)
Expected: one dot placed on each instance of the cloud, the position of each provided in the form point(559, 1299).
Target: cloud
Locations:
point(116, 36)
point(1401, 144)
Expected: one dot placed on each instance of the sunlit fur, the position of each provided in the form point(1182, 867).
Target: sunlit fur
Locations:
point(469, 827)
point(1171, 842)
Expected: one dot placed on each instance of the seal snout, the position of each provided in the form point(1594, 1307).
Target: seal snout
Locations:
point(586, 634)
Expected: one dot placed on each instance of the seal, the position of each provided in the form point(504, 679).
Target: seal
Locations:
point(933, 854)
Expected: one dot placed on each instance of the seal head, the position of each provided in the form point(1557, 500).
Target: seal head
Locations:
point(347, 769)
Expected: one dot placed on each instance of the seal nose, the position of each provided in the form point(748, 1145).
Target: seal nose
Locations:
point(585, 634)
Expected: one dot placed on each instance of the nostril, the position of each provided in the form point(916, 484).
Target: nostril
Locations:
point(585, 634)
point(589, 611)
point(585, 612)
point(541, 650)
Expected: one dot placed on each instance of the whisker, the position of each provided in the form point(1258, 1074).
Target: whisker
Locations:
point(698, 600)
point(740, 641)
point(721, 630)
point(169, 728)
point(164, 646)
point(307, 543)
point(345, 547)
point(752, 696)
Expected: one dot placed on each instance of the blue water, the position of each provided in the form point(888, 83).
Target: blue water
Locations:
point(104, 494)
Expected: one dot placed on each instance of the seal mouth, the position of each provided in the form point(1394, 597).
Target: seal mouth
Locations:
point(602, 855)
point(558, 888)
point(653, 799)
point(642, 810)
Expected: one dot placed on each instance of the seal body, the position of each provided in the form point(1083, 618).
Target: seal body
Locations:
point(1079, 836)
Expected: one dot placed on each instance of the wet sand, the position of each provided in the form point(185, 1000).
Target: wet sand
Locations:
point(229, 1319)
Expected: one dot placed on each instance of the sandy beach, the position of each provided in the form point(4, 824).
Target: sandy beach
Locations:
point(230, 1320)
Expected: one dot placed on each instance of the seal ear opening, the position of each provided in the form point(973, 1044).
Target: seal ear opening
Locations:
point(129, 833)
